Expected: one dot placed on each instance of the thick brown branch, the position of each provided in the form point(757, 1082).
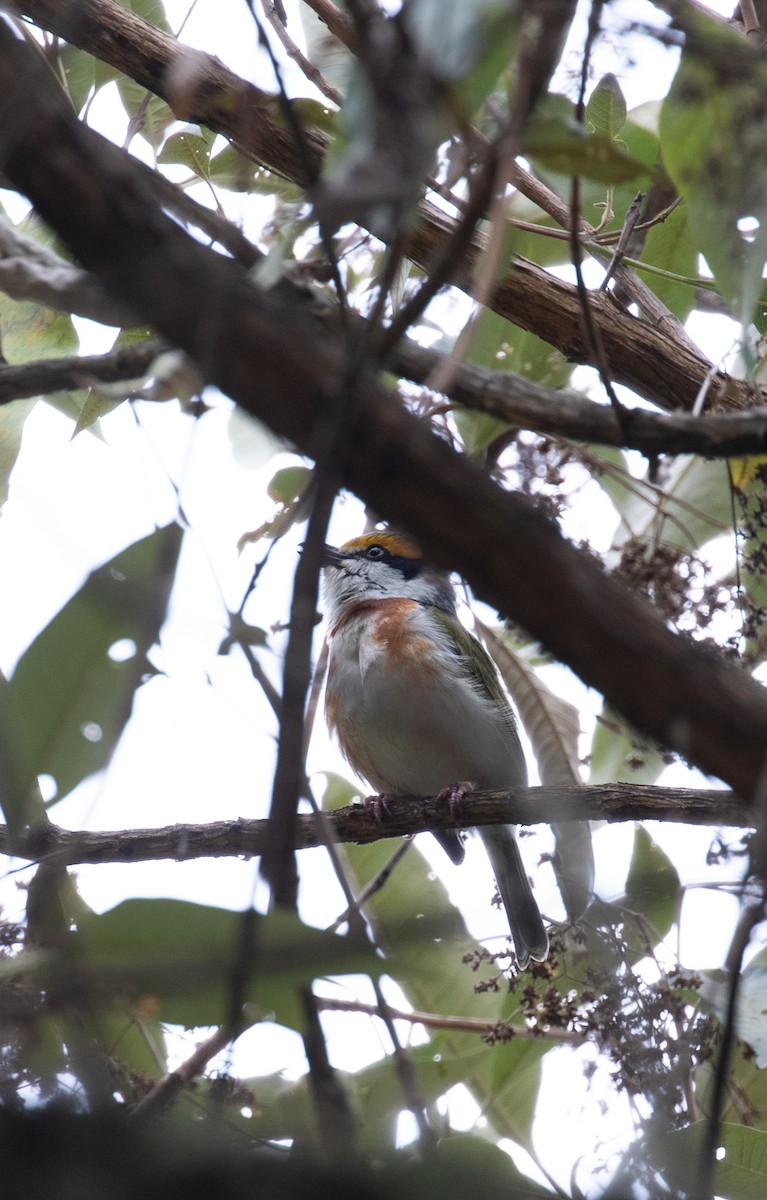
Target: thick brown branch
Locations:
point(512, 398)
point(197, 86)
point(403, 816)
point(265, 350)
point(652, 361)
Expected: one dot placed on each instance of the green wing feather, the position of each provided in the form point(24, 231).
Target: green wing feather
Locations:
point(478, 664)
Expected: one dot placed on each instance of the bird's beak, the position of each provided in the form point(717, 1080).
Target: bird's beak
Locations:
point(332, 557)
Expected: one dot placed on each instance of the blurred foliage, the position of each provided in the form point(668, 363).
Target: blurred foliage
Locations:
point(90, 1000)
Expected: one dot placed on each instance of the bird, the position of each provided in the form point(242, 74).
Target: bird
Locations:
point(416, 702)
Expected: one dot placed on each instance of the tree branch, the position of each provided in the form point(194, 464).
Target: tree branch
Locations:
point(403, 816)
point(503, 1030)
point(265, 349)
point(653, 361)
point(525, 404)
point(63, 374)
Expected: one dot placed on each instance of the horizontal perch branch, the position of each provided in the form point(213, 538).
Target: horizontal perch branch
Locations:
point(401, 816)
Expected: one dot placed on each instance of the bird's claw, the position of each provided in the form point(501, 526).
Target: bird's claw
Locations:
point(378, 805)
point(455, 795)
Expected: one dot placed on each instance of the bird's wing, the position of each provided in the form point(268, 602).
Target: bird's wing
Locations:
point(477, 666)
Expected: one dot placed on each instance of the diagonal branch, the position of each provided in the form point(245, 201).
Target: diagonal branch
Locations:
point(266, 350)
point(653, 361)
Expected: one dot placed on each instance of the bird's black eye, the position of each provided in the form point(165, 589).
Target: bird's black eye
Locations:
point(375, 552)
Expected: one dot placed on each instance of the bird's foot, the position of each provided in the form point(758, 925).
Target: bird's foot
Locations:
point(378, 805)
point(455, 795)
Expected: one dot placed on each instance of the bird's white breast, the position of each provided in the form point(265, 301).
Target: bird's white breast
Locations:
point(407, 715)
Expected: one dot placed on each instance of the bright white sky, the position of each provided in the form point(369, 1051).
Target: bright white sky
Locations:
point(201, 743)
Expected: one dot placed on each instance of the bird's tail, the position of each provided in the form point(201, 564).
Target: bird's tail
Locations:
point(525, 921)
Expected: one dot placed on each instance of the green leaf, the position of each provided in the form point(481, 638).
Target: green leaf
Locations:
point(233, 171)
point(377, 1089)
point(553, 726)
point(94, 407)
point(606, 109)
point(739, 1174)
point(452, 36)
point(749, 1087)
point(70, 696)
point(516, 1083)
point(464, 1165)
point(20, 800)
point(324, 50)
point(652, 886)
point(669, 245)
point(187, 958)
point(714, 141)
point(150, 116)
point(191, 148)
point(287, 484)
point(230, 169)
point(79, 73)
point(556, 142)
point(28, 332)
point(751, 1023)
point(500, 346)
point(13, 417)
point(694, 507)
point(152, 11)
point(620, 754)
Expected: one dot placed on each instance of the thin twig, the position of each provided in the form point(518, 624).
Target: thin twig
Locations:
point(476, 1025)
point(337, 22)
point(376, 883)
point(405, 1071)
point(312, 73)
point(441, 273)
point(166, 1089)
point(627, 229)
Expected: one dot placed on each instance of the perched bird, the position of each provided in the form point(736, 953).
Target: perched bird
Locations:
point(416, 702)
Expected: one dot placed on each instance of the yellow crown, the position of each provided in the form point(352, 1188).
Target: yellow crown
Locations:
point(398, 544)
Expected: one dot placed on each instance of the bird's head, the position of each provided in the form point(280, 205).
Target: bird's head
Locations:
point(380, 565)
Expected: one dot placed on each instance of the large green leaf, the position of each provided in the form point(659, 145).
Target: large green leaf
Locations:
point(28, 332)
point(466, 1165)
point(714, 141)
point(751, 1022)
point(669, 246)
point(500, 346)
point(149, 115)
point(191, 148)
point(20, 800)
point(553, 726)
point(652, 886)
point(693, 507)
point(740, 1172)
point(152, 11)
point(620, 754)
point(606, 108)
point(79, 70)
point(188, 958)
point(748, 1090)
point(556, 142)
point(13, 417)
point(72, 691)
